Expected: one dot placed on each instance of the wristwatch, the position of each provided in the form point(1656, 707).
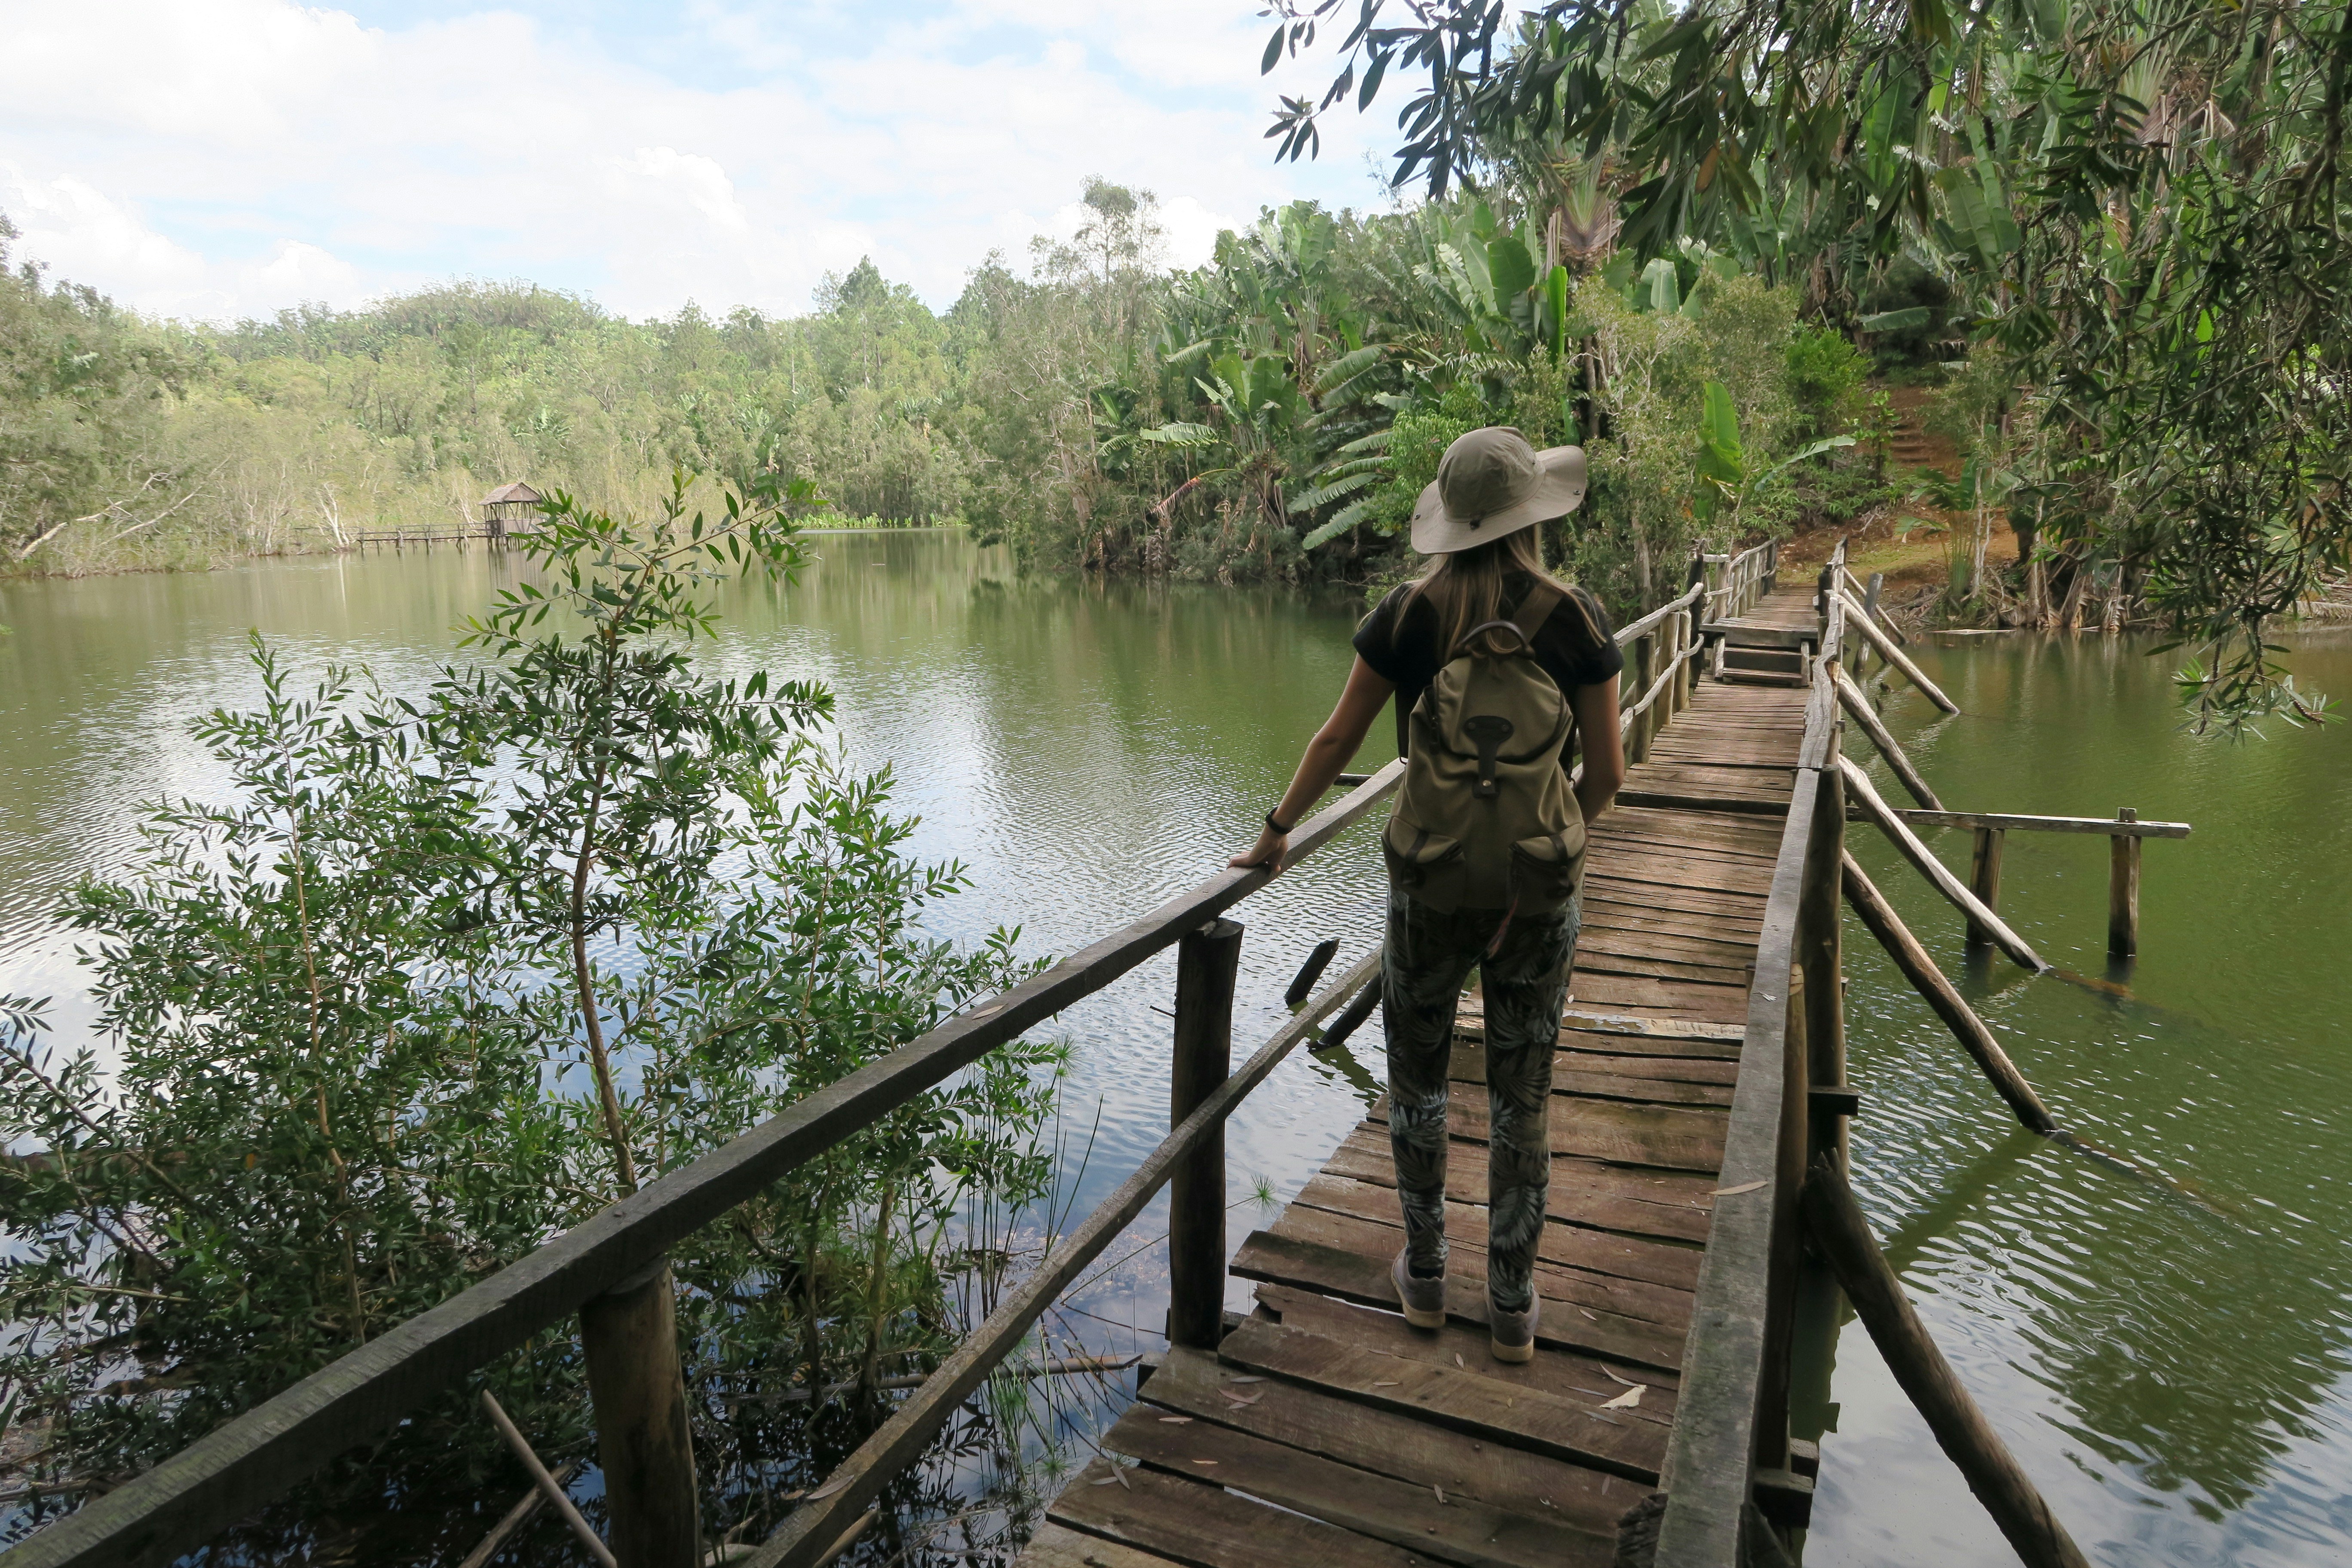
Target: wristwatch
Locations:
point(1275, 827)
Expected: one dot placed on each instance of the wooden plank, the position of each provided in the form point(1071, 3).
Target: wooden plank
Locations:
point(1567, 1245)
point(1703, 777)
point(1511, 1480)
point(1469, 1401)
point(1569, 1325)
point(1573, 1375)
point(1609, 1035)
point(1641, 1090)
point(1684, 998)
point(1685, 826)
point(1604, 907)
point(1614, 915)
point(1468, 1065)
point(1576, 1016)
point(1673, 1137)
point(1206, 1527)
point(1688, 886)
point(1456, 1529)
point(1612, 1036)
point(1600, 957)
point(1381, 1239)
point(1634, 842)
point(1711, 800)
point(1584, 1193)
point(1058, 1546)
point(1719, 952)
point(1659, 870)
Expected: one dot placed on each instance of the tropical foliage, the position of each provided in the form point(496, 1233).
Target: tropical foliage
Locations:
point(1270, 414)
point(2134, 209)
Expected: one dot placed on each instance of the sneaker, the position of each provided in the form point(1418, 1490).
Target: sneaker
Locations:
point(1513, 1335)
point(1425, 1300)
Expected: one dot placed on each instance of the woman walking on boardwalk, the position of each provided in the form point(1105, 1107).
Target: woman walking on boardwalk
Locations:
point(1496, 667)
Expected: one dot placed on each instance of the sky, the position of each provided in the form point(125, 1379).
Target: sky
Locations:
point(219, 159)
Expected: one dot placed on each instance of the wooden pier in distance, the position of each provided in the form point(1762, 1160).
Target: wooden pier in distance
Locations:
point(1377, 1443)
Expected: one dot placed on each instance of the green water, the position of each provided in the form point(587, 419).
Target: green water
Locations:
point(2174, 1376)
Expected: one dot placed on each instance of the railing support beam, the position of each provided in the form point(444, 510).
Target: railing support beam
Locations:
point(629, 1339)
point(2122, 891)
point(1984, 880)
point(1207, 960)
point(1870, 1282)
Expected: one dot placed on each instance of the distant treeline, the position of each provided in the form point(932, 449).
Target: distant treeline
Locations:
point(1268, 416)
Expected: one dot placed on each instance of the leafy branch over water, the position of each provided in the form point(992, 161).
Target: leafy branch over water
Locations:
point(447, 974)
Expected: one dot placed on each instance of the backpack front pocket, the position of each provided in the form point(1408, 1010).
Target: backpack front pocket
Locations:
point(1424, 864)
point(1544, 873)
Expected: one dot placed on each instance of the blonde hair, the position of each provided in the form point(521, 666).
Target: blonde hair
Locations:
point(1465, 587)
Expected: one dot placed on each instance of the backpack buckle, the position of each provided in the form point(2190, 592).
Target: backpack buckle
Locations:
point(1487, 732)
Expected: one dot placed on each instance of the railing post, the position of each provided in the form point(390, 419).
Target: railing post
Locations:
point(1207, 960)
point(629, 1337)
point(1686, 643)
point(1645, 670)
point(1786, 1254)
point(2123, 891)
point(1821, 954)
point(1869, 607)
point(1984, 880)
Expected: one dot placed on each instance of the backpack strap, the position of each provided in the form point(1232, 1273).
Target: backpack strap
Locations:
point(1537, 608)
point(1541, 601)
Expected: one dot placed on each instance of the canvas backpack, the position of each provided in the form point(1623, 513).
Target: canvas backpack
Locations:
point(1484, 820)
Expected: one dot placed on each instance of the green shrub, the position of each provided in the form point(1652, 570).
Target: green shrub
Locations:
point(1825, 372)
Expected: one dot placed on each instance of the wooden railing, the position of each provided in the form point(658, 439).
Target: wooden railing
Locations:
point(1730, 1441)
point(1734, 582)
point(227, 1475)
point(608, 1269)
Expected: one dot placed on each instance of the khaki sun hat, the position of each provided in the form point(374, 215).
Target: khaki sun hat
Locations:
point(1491, 483)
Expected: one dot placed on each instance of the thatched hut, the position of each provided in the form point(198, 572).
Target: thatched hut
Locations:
point(510, 508)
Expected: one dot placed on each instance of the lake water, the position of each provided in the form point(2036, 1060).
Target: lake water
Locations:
point(2173, 1375)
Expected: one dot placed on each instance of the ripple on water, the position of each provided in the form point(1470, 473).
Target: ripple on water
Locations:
point(2173, 1375)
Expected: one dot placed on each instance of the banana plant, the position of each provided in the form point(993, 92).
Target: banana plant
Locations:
point(1727, 480)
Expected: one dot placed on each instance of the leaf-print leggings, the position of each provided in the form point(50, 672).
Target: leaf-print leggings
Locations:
point(1429, 956)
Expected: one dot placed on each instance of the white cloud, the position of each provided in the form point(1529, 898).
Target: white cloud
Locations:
point(221, 157)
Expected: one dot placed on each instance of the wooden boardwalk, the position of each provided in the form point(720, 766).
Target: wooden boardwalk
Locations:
point(1377, 1444)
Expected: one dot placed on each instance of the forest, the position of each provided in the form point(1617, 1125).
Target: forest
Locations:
point(2109, 238)
point(1230, 423)
point(455, 971)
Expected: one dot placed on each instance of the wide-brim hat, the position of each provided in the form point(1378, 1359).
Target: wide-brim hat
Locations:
point(1491, 484)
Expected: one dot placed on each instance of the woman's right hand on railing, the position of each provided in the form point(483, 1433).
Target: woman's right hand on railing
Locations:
point(1267, 851)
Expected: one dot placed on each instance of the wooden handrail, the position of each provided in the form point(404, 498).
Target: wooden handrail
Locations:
point(861, 1477)
point(255, 1458)
point(1634, 631)
point(2005, 822)
point(1711, 1453)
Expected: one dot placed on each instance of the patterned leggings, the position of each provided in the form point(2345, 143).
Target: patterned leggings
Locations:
point(1429, 956)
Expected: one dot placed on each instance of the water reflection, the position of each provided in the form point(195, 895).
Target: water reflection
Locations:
point(2173, 1376)
point(2174, 1379)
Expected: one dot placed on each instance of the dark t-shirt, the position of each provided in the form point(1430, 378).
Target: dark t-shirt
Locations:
point(1574, 650)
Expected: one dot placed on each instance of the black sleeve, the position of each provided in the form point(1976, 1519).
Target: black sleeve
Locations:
point(1376, 641)
point(1586, 646)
